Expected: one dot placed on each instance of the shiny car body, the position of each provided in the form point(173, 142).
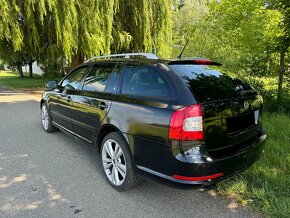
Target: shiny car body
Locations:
point(186, 122)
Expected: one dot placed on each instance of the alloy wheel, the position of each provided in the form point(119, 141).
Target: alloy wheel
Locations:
point(114, 162)
point(44, 117)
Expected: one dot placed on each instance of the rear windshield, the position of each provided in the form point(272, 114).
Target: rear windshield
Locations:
point(212, 83)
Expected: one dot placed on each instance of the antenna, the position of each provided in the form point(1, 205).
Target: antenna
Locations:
point(179, 56)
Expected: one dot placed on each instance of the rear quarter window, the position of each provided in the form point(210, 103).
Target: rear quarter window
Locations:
point(211, 83)
point(144, 81)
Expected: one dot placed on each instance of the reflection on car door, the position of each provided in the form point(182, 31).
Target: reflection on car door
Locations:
point(91, 106)
point(60, 105)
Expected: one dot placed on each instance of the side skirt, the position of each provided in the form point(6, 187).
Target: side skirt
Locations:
point(71, 132)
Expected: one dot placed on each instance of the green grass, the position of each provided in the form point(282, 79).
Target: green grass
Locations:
point(12, 80)
point(266, 185)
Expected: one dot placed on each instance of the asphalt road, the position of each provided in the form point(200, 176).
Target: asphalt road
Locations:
point(53, 175)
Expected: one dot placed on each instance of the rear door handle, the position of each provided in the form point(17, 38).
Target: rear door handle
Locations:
point(103, 106)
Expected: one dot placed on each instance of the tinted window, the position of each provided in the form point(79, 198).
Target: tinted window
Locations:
point(101, 78)
point(74, 78)
point(211, 83)
point(144, 81)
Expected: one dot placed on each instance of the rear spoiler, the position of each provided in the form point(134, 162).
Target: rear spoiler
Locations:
point(194, 62)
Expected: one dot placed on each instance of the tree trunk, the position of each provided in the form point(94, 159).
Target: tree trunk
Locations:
point(77, 60)
point(281, 73)
point(30, 69)
point(19, 69)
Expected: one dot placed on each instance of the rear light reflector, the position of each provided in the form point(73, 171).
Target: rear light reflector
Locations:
point(187, 123)
point(199, 178)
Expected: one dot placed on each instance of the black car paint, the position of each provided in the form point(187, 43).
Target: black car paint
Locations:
point(88, 111)
point(144, 123)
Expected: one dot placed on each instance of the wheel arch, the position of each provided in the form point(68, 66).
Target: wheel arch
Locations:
point(41, 102)
point(105, 130)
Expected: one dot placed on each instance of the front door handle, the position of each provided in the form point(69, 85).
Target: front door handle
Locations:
point(68, 99)
point(103, 106)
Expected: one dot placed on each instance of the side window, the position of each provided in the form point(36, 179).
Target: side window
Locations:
point(73, 80)
point(101, 78)
point(144, 81)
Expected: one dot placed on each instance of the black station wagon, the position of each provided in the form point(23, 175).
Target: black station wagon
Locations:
point(185, 122)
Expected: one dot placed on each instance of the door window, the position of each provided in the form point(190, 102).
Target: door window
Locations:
point(144, 81)
point(101, 78)
point(73, 80)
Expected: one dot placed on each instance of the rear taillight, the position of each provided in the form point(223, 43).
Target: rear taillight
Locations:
point(187, 123)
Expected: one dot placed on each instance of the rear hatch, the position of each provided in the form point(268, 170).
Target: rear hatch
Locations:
point(231, 108)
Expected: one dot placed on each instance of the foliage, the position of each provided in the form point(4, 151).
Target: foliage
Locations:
point(188, 22)
point(15, 59)
point(248, 37)
point(149, 24)
point(74, 30)
point(283, 40)
point(267, 87)
point(239, 34)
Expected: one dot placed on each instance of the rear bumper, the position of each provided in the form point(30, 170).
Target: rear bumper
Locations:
point(200, 166)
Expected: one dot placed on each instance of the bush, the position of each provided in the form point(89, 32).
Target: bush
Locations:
point(267, 87)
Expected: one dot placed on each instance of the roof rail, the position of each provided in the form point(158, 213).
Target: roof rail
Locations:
point(125, 55)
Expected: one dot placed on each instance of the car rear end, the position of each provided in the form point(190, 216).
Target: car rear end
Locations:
point(221, 133)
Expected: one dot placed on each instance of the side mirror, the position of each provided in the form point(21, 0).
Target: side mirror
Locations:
point(51, 85)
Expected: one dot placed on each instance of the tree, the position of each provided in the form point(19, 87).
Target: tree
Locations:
point(283, 40)
point(240, 34)
point(188, 20)
point(76, 30)
point(245, 32)
point(13, 59)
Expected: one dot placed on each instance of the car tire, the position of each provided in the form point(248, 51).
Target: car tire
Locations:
point(46, 119)
point(117, 162)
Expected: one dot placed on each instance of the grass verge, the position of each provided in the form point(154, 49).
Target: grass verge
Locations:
point(266, 185)
point(12, 80)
